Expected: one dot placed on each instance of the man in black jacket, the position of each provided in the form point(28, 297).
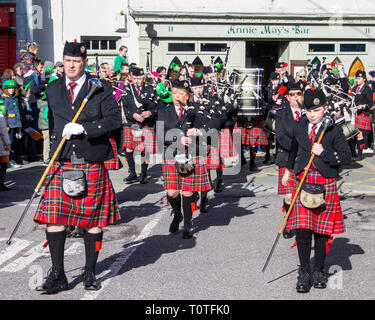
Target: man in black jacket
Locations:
point(138, 106)
point(81, 157)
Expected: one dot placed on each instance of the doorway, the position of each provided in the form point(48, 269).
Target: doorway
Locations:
point(264, 54)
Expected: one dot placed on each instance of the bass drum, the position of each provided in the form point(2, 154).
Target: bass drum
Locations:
point(251, 98)
point(350, 130)
point(270, 124)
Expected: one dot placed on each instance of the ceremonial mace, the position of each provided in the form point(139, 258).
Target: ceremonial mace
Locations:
point(327, 122)
point(95, 85)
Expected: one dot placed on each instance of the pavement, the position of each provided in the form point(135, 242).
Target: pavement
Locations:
point(140, 260)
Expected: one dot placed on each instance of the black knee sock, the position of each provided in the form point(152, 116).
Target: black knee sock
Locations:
point(304, 238)
point(130, 160)
point(188, 211)
point(175, 204)
point(93, 244)
point(320, 250)
point(286, 206)
point(253, 153)
point(360, 146)
point(56, 243)
point(204, 197)
point(365, 138)
point(268, 152)
point(219, 174)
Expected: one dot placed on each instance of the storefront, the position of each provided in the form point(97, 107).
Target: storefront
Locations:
point(8, 43)
point(257, 38)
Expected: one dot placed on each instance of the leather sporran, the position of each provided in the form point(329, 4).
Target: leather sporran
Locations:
point(74, 183)
point(137, 131)
point(184, 164)
point(312, 195)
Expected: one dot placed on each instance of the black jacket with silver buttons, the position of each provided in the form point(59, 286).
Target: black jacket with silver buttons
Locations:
point(99, 118)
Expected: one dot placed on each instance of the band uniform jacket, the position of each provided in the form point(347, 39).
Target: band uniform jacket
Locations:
point(363, 97)
point(284, 134)
point(336, 150)
point(100, 116)
point(146, 99)
point(166, 115)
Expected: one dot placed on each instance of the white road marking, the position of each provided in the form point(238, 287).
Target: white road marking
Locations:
point(10, 251)
point(106, 277)
point(35, 253)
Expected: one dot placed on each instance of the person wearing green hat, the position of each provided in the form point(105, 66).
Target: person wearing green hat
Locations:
point(13, 115)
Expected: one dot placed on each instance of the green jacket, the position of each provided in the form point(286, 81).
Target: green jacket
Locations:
point(119, 61)
point(43, 117)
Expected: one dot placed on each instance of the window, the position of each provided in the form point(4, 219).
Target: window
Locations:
point(96, 43)
point(213, 47)
point(352, 47)
point(321, 47)
point(187, 47)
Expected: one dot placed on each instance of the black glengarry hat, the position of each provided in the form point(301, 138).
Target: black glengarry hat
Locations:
point(74, 49)
point(314, 99)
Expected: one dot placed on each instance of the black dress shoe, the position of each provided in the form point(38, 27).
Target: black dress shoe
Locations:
point(187, 234)
point(55, 282)
point(319, 279)
point(219, 187)
point(142, 178)
point(303, 281)
point(5, 188)
point(131, 178)
point(267, 162)
point(253, 167)
point(90, 282)
point(176, 222)
point(203, 207)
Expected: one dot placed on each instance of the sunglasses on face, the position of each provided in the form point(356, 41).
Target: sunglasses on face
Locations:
point(295, 94)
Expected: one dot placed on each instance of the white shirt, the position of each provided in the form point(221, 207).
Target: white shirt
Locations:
point(317, 128)
point(294, 113)
point(178, 110)
point(79, 83)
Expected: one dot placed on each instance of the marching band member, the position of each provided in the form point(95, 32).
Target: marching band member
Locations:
point(177, 134)
point(139, 132)
point(317, 212)
point(363, 101)
point(78, 189)
point(284, 136)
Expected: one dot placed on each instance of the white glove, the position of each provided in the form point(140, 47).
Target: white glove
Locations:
point(72, 129)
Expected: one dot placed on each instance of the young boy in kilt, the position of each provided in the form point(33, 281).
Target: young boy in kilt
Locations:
point(173, 117)
point(327, 219)
point(363, 100)
point(85, 150)
point(138, 106)
point(285, 117)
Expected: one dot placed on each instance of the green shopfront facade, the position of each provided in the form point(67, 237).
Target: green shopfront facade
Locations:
point(255, 40)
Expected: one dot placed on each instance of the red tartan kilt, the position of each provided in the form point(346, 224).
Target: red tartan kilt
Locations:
point(114, 163)
point(327, 220)
point(291, 187)
point(226, 144)
point(254, 136)
point(197, 181)
point(213, 159)
point(363, 122)
point(146, 143)
point(97, 208)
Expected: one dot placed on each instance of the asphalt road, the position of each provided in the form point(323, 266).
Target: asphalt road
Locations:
point(140, 260)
